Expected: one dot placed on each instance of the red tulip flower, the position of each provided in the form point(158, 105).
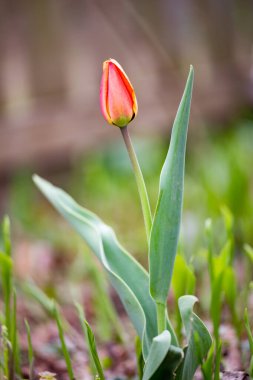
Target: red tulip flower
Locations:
point(117, 97)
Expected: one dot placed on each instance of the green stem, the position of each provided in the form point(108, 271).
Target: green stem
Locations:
point(161, 317)
point(139, 180)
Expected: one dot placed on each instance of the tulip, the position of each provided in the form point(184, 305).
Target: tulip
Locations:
point(117, 97)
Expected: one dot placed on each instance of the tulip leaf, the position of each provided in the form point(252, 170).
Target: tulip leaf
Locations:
point(167, 219)
point(163, 358)
point(198, 339)
point(127, 276)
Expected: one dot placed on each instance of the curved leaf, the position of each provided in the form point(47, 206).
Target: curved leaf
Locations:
point(198, 339)
point(163, 358)
point(127, 276)
point(166, 225)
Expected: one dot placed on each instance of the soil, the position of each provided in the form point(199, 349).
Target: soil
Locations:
point(232, 375)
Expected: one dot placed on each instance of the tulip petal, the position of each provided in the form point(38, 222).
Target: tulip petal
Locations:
point(120, 103)
point(128, 85)
point(104, 92)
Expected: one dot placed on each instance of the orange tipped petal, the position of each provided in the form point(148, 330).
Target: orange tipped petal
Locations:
point(128, 85)
point(119, 100)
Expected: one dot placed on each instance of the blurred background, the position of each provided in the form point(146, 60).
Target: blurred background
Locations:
point(50, 122)
point(50, 69)
point(51, 55)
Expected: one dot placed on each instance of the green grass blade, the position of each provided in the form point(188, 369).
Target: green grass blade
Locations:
point(250, 338)
point(180, 288)
point(85, 333)
point(209, 239)
point(36, 293)
point(229, 225)
point(5, 347)
point(90, 340)
point(7, 236)
point(93, 350)
point(167, 219)
point(108, 319)
point(249, 252)
point(183, 270)
point(7, 271)
point(63, 343)
point(217, 360)
point(231, 294)
point(216, 303)
point(248, 329)
point(14, 338)
point(30, 351)
point(207, 365)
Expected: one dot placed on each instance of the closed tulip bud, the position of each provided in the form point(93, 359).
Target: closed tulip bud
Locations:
point(117, 97)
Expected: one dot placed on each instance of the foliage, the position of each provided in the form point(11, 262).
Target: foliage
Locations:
point(162, 355)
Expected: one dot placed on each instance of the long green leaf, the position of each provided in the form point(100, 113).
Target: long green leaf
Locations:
point(163, 358)
point(166, 225)
point(127, 276)
point(197, 349)
point(30, 351)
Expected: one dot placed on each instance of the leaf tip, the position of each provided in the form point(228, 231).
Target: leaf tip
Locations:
point(41, 183)
point(36, 178)
point(191, 74)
